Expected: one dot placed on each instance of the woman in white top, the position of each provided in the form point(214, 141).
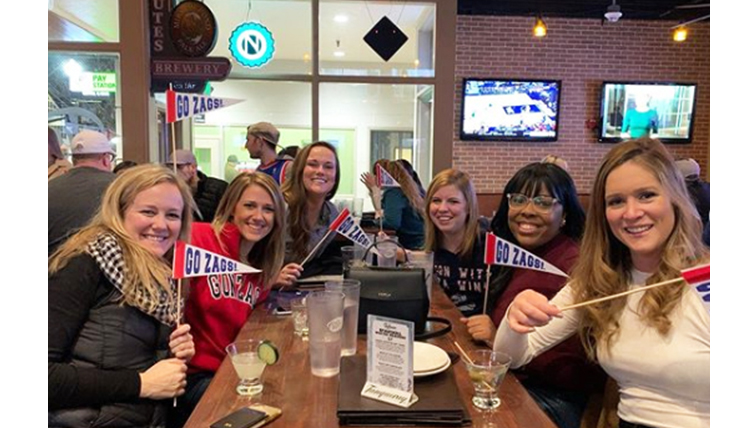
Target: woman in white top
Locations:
point(641, 229)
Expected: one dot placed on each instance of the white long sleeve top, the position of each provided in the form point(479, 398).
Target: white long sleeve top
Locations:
point(664, 381)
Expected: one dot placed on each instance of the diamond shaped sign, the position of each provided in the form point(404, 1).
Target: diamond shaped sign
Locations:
point(385, 38)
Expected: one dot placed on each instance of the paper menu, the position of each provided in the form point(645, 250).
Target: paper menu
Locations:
point(390, 351)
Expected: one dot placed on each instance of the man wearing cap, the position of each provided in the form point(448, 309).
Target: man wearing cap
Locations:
point(73, 198)
point(207, 191)
point(699, 190)
point(262, 139)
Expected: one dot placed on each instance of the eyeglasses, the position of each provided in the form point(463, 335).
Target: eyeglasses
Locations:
point(541, 203)
point(111, 157)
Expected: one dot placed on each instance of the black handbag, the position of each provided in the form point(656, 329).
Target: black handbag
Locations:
point(395, 293)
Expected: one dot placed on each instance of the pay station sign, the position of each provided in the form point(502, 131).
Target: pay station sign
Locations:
point(89, 83)
point(252, 45)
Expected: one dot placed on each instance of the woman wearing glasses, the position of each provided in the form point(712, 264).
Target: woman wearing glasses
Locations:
point(541, 213)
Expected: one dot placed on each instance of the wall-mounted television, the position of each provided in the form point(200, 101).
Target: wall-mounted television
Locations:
point(510, 109)
point(638, 109)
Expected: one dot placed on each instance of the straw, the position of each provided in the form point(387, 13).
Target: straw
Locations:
point(463, 353)
point(469, 360)
point(618, 295)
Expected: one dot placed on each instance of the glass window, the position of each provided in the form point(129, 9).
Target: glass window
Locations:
point(288, 21)
point(83, 93)
point(361, 119)
point(83, 21)
point(222, 133)
point(343, 50)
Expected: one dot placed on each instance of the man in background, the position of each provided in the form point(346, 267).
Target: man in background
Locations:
point(73, 198)
point(699, 190)
point(261, 143)
point(207, 191)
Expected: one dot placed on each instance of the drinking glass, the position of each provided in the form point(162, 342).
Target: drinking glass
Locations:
point(424, 260)
point(325, 315)
point(248, 365)
point(487, 370)
point(299, 316)
point(388, 250)
point(350, 288)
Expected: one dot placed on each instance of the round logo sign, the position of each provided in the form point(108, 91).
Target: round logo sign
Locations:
point(193, 29)
point(251, 44)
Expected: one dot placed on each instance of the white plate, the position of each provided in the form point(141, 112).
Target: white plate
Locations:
point(433, 372)
point(428, 358)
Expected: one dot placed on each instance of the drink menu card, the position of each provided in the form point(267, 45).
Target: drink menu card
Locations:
point(390, 353)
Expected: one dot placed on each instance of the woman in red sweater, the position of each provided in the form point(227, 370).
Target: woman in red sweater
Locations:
point(248, 227)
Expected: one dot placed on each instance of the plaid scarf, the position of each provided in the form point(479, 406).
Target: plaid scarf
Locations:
point(107, 253)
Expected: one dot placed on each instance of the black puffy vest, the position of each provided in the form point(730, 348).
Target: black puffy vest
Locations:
point(117, 337)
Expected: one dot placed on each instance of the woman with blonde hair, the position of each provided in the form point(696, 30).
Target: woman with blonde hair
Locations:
point(641, 229)
point(403, 207)
point(112, 303)
point(308, 191)
point(454, 234)
point(248, 227)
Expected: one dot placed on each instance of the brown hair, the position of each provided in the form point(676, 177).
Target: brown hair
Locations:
point(404, 179)
point(296, 197)
point(268, 253)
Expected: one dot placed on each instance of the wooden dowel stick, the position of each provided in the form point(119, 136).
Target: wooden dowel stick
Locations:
point(469, 360)
point(486, 289)
point(316, 247)
point(618, 295)
point(461, 350)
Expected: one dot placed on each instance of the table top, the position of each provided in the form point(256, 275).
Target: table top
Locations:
point(304, 398)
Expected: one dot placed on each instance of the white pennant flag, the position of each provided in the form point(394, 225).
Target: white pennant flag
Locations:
point(190, 261)
point(498, 251)
point(345, 225)
point(181, 106)
point(383, 178)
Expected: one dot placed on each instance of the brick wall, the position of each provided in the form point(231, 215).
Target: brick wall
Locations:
point(582, 53)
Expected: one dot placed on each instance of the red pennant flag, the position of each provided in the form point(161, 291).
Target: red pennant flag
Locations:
point(699, 278)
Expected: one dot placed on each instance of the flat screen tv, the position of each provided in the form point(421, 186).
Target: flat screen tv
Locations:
point(637, 109)
point(510, 109)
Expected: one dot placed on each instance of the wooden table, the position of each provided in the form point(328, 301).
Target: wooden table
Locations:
point(309, 401)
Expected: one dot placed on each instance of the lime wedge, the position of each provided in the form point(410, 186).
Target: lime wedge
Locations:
point(268, 353)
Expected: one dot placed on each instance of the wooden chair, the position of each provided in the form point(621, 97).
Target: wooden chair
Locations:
point(601, 410)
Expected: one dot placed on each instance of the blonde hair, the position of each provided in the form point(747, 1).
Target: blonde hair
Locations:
point(145, 271)
point(605, 263)
point(557, 160)
point(296, 197)
point(407, 183)
point(462, 181)
point(268, 253)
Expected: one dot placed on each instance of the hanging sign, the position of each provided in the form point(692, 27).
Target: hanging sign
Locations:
point(252, 45)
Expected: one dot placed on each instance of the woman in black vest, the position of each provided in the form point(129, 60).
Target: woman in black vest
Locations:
point(112, 305)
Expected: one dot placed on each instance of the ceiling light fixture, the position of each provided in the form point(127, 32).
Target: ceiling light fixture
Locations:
point(614, 12)
point(341, 19)
point(540, 28)
point(679, 34)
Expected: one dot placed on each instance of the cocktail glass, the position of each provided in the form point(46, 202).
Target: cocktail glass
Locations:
point(487, 370)
point(248, 365)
